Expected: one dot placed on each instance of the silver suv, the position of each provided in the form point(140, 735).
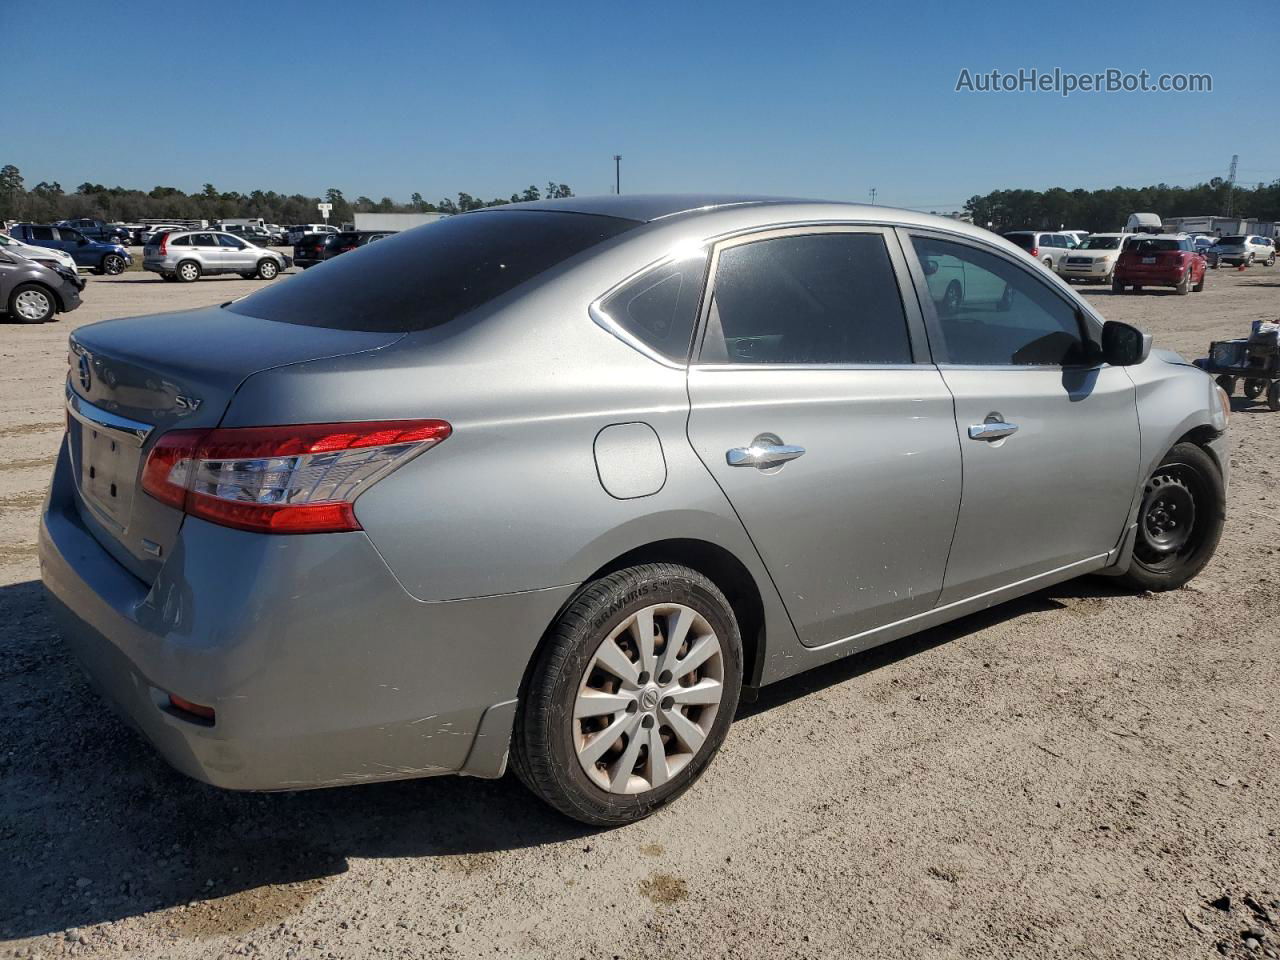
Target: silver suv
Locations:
point(188, 255)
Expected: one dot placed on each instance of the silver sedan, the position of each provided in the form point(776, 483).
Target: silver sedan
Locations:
point(553, 484)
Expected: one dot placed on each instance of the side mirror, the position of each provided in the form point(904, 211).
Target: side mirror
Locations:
point(1123, 345)
point(930, 267)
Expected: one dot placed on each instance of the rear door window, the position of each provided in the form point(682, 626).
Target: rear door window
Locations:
point(825, 298)
point(427, 276)
point(42, 234)
point(1023, 240)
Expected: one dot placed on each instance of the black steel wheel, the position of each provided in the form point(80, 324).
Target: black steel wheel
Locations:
point(1253, 388)
point(1179, 520)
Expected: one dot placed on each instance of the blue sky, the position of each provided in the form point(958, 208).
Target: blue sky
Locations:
point(388, 97)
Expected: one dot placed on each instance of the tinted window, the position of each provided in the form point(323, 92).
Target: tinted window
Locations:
point(41, 234)
point(69, 235)
point(1023, 240)
point(232, 242)
point(1101, 243)
point(659, 308)
point(993, 312)
point(1232, 240)
point(427, 276)
point(203, 240)
point(1156, 246)
point(822, 298)
point(180, 242)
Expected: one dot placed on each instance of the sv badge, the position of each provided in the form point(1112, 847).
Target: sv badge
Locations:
point(187, 403)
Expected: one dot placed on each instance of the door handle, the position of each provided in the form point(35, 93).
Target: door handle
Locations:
point(992, 430)
point(765, 451)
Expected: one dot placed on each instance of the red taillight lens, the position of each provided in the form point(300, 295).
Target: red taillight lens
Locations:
point(292, 479)
point(1035, 251)
point(164, 244)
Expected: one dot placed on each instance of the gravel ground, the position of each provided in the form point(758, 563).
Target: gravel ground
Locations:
point(1079, 773)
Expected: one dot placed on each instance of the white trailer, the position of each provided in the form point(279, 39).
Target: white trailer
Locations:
point(395, 221)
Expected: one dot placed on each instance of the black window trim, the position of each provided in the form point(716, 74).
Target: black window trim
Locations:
point(1090, 323)
point(916, 336)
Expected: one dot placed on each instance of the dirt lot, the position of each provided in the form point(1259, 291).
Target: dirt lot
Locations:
point(1081, 773)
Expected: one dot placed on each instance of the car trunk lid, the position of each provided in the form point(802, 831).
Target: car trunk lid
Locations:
point(131, 380)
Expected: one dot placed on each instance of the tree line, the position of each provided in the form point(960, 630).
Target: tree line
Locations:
point(47, 201)
point(1102, 210)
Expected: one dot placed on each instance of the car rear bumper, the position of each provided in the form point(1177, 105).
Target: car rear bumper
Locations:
point(1163, 277)
point(322, 670)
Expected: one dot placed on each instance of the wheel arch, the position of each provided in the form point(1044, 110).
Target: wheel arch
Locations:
point(713, 561)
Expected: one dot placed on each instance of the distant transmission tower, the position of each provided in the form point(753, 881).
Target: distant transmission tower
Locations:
point(1231, 181)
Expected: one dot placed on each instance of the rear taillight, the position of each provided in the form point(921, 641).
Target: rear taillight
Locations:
point(164, 244)
point(292, 479)
point(1035, 251)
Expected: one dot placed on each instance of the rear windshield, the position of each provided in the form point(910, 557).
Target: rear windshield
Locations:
point(1024, 240)
point(1232, 240)
point(1101, 243)
point(427, 276)
point(1157, 246)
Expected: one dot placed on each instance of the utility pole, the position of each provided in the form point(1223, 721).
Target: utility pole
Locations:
point(617, 173)
point(873, 196)
point(1231, 181)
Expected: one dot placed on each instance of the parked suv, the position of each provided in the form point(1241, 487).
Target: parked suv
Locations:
point(31, 292)
point(1094, 259)
point(309, 249)
point(555, 483)
point(187, 256)
point(1245, 250)
point(98, 256)
point(1048, 248)
point(1162, 260)
point(100, 230)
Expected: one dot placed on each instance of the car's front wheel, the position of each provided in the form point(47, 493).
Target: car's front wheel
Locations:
point(268, 269)
point(32, 304)
point(1179, 521)
point(113, 264)
point(630, 696)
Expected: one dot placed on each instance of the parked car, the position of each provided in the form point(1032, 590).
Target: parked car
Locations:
point(258, 236)
point(277, 234)
point(188, 255)
point(300, 230)
point(1048, 248)
point(46, 255)
point(32, 292)
point(1245, 250)
point(98, 256)
point(309, 250)
point(1160, 260)
point(100, 230)
point(348, 240)
point(1095, 258)
point(592, 466)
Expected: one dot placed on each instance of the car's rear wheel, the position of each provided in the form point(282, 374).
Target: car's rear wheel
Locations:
point(1199, 287)
point(1183, 286)
point(1137, 288)
point(1116, 286)
point(1254, 388)
point(1048, 263)
point(188, 271)
point(1271, 260)
point(1273, 396)
point(630, 696)
point(32, 304)
point(268, 269)
point(1179, 521)
point(113, 264)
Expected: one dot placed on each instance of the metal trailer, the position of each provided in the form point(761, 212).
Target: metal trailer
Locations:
point(1255, 360)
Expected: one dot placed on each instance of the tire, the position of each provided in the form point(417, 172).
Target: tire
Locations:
point(1117, 286)
point(268, 269)
point(1273, 396)
point(188, 271)
point(1249, 261)
point(113, 265)
point(1199, 287)
point(1270, 261)
point(168, 278)
point(1048, 264)
point(1254, 388)
point(1183, 286)
point(1166, 555)
point(1227, 383)
point(1137, 288)
point(951, 299)
point(614, 784)
point(32, 303)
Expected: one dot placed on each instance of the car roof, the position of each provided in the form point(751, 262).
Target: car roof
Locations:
point(645, 207)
